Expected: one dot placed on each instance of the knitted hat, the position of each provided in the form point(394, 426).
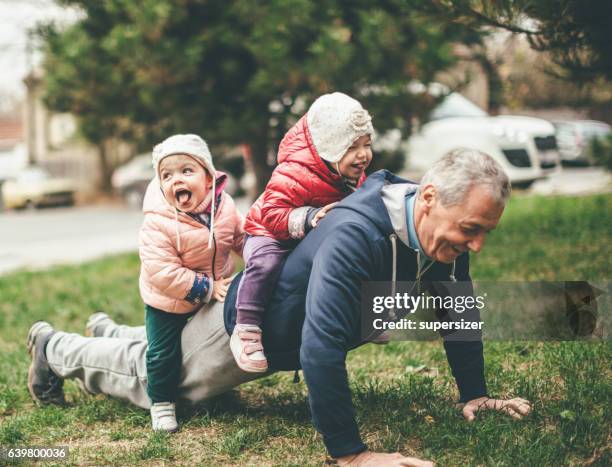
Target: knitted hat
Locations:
point(193, 146)
point(335, 121)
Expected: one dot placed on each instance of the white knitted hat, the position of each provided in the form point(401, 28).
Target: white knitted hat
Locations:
point(194, 146)
point(191, 145)
point(335, 121)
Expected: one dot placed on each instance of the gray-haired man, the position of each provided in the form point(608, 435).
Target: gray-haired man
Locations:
point(389, 230)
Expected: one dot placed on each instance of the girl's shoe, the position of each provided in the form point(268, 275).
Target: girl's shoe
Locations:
point(247, 348)
point(163, 417)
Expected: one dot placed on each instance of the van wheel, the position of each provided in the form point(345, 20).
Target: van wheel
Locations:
point(30, 206)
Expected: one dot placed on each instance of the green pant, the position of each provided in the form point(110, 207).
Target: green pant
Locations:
point(164, 352)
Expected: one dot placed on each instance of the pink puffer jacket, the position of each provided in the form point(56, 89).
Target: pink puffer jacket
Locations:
point(166, 274)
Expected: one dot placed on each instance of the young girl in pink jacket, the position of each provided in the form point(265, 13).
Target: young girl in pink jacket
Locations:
point(190, 228)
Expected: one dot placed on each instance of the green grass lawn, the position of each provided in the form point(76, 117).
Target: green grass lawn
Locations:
point(267, 422)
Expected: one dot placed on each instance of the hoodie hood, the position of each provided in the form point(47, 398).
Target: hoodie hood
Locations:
point(381, 199)
point(378, 200)
point(394, 198)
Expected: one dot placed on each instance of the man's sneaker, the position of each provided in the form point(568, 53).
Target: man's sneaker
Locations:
point(163, 417)
point(96, 324)
point(247, 348)
point(45, 386)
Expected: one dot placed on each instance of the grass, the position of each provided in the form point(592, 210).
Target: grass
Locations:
point(267, 422)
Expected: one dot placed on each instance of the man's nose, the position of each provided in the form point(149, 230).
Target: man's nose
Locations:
point(477, 243)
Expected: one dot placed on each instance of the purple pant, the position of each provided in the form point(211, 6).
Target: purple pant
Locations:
point(264, 257)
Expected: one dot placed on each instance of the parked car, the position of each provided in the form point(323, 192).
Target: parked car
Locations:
point(526, 147)
point(35, 187)
point(131, 179)
point(575, 137)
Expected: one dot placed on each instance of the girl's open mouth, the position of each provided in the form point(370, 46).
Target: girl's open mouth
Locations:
point(183, 196)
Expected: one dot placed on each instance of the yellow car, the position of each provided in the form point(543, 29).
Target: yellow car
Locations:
point(34, 187)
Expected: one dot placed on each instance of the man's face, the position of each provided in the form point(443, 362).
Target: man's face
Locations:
point(447, 231)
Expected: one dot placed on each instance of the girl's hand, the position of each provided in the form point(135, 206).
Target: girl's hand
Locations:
point(220, 287)
point(321, 213)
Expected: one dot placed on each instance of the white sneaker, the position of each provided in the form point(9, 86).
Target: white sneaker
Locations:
point(163, 417)
point(247, 348)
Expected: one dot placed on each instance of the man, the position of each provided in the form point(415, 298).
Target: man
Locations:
point(388, 230)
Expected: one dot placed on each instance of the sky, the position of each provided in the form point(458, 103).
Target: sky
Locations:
point(16, 17)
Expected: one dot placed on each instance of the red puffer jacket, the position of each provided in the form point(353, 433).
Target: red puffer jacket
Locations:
point(300, 179)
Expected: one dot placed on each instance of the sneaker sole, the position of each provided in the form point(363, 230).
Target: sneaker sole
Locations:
point(31, 345)
point(30, 389)
point(34, 330)
point(166, 431)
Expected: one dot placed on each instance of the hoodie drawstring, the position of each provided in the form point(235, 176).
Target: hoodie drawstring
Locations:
point(419, 274)
point(176, 228)
point(212, 210)
point(393, 238)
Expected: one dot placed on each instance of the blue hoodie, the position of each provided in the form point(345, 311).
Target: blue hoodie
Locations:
point(317, 303)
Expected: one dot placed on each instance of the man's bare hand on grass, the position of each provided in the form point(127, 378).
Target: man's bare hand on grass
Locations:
point(517, 407)
point(381, 459)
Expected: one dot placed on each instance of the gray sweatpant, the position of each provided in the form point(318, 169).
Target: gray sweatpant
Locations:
point(115, 364)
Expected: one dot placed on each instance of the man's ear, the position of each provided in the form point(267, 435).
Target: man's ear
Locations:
point(428, 197)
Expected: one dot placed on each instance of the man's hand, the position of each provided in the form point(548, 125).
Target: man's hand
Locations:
point(220, 287)
point(321, 213)
point(517, 408)
point(376, 459)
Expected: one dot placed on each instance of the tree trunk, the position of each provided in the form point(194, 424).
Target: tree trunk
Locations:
point(259, 158)
point(105, 168)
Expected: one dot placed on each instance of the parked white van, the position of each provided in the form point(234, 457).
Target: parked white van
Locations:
point(526, 147)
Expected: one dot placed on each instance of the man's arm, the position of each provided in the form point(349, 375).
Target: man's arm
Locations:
point(331, 327)
point(465, 356)
point(464, 350)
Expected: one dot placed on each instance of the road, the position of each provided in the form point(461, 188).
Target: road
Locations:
point(38, 239)
point(574, 181)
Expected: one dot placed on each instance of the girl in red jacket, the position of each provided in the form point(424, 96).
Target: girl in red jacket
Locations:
point(321, 159)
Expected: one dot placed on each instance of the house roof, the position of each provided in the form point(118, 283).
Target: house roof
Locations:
point(11, 131)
